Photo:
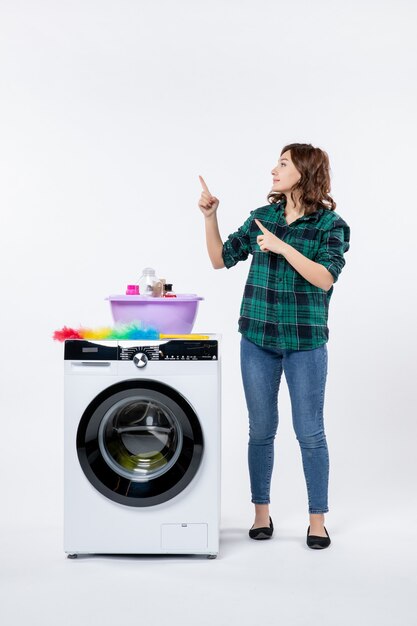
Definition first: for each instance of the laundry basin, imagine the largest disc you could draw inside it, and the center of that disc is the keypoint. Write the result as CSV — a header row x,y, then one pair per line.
x,y
167,315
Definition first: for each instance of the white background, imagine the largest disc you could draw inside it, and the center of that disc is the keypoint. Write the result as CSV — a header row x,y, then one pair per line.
x,y
109,112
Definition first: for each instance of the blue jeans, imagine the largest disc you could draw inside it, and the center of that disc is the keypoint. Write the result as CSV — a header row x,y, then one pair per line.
x,y
305,373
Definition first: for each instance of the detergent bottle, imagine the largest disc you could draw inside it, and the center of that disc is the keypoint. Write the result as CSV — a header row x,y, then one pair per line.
x,y
157,289
132,290
146,281
168,291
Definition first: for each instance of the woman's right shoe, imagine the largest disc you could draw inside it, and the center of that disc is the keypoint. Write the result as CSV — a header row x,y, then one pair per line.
x,y
263,532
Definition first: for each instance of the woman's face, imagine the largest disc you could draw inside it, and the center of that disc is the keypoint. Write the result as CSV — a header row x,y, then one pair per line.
x,y
284,174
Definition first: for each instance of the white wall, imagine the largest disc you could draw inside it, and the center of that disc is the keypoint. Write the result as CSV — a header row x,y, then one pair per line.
x,y
109,112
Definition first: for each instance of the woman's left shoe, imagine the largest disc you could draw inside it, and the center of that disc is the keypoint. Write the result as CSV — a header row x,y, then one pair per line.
x,y
263,532
316,542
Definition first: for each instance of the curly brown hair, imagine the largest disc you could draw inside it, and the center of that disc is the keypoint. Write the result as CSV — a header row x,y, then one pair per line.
x,y
314,184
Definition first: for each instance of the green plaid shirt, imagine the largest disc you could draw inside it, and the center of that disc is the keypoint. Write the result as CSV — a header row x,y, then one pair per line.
x,y
280,308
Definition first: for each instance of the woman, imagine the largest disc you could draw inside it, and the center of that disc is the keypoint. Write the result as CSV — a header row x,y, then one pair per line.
x,y
297,243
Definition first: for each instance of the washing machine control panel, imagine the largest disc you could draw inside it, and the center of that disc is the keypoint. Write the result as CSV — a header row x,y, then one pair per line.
x,y
171,350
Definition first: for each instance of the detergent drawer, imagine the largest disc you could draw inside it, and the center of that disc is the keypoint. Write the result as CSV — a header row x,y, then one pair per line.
x,y
178,536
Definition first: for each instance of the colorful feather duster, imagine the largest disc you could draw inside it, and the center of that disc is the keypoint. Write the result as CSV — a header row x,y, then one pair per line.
x,y
66,333
133,330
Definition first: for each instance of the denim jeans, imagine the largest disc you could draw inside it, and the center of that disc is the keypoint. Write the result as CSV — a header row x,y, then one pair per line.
x,y
305,373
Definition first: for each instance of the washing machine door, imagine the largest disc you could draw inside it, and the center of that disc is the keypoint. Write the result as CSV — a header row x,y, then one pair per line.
x,y
140,442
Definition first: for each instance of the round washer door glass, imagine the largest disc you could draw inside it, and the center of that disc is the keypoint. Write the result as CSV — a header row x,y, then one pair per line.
x,y
140,442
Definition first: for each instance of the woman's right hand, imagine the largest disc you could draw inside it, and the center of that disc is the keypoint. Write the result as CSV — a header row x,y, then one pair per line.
x,y
207,203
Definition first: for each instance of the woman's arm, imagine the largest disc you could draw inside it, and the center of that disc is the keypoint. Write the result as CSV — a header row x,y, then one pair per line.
x,y
214,241
323,272
315,273
329,261
208,205
237,246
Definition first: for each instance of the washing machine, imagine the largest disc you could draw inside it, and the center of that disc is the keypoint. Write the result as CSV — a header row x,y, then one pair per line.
x,y
142,446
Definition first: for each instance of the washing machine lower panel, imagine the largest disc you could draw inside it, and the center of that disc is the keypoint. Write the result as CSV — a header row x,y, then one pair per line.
x,y
189,523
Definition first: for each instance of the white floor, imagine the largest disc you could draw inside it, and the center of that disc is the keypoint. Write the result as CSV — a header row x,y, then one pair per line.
x,y
367,576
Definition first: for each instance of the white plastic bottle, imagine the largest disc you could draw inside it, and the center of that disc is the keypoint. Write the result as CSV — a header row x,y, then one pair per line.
x,y
146,281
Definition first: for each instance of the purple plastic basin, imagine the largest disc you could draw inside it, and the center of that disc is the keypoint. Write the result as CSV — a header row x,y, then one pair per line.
x,y
167,315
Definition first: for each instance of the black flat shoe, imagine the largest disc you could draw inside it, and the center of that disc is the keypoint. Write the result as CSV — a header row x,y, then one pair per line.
x,y
316,542
263,532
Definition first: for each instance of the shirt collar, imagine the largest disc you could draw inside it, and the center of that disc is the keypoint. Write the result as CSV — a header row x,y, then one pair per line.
x,y
315,216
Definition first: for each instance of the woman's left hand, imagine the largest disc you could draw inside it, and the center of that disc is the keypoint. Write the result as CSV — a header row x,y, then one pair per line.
x,y
269,242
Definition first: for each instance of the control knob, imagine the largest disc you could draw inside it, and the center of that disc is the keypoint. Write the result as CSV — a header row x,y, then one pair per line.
x,y
140,359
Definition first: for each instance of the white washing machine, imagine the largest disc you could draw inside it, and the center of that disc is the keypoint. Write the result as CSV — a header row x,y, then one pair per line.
x,y
142,447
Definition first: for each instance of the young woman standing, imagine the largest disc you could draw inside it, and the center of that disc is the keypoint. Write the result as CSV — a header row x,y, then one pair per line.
x,y
297,243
